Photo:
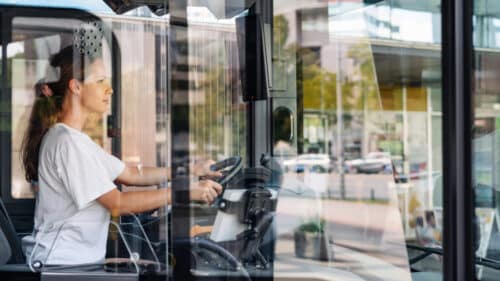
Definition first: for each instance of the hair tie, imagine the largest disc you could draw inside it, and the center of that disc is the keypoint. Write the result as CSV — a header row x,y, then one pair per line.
x,y
46,90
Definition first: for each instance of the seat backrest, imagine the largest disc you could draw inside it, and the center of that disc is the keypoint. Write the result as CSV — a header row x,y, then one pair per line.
x,y
9,242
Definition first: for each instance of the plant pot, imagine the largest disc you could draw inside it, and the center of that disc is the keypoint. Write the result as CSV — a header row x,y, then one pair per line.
x,y
312,245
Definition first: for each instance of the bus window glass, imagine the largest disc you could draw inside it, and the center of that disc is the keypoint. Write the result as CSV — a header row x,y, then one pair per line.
x,y
35,40
485,138
143,96
364,184
142,121
133,48
340,137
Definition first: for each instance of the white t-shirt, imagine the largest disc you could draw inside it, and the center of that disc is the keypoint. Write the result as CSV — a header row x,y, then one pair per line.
x,y
73,171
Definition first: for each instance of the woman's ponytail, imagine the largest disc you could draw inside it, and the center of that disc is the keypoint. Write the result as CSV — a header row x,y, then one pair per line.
x,y
64,66
43,116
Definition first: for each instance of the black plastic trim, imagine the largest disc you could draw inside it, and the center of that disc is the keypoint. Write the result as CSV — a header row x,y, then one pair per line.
x,y
178,53
457,67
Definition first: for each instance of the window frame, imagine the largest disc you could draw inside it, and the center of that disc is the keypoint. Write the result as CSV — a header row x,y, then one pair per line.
x,y
458,205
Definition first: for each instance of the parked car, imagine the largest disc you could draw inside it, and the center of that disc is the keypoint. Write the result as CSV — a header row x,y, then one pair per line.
x,y
319,163
374,162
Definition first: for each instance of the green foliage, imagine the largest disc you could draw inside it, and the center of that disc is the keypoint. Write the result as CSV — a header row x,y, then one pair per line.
x,y
216,108
362,56
280,31
316,226
319,88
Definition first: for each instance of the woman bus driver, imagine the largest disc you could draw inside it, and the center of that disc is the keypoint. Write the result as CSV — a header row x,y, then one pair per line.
x,y
76,190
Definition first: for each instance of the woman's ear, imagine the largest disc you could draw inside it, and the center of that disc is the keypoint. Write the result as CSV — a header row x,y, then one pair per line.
x,y
74,87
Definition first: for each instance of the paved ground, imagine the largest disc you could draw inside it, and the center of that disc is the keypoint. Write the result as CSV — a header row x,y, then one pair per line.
x,y
357,186
368,237
345,265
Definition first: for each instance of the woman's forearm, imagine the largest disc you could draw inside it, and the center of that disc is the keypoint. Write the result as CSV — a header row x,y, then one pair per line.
x,y
154,175
140,201
144,176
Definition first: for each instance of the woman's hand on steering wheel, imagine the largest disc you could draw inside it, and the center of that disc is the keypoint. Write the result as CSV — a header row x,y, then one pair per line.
x,y
210,188
202,168
205,191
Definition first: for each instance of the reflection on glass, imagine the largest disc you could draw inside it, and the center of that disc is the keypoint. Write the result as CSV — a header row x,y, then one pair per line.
x,y
485,139
142,129
366,180
355,112
217,114
134,125
28,59
283,124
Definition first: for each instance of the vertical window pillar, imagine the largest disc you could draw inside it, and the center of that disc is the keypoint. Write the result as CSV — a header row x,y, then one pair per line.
x,y
457,138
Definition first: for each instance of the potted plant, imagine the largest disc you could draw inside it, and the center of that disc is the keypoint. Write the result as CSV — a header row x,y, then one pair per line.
x,y
311,241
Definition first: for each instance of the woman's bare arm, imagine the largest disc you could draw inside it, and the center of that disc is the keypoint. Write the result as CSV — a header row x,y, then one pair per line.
x,y
122,203
146,176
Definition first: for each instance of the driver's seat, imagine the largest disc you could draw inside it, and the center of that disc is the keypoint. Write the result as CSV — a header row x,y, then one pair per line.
x,y
10,246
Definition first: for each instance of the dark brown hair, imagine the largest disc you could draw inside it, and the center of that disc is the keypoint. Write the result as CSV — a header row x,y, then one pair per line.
x,y
66,65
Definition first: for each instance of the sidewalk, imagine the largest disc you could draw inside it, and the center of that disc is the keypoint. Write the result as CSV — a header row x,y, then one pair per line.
x,y
347,265
369,241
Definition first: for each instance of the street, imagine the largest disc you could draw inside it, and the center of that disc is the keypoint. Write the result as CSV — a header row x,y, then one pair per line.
x,y
366,224
357,186
369,233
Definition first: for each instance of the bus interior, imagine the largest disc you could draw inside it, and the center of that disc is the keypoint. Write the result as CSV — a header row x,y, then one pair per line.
x,y
324,117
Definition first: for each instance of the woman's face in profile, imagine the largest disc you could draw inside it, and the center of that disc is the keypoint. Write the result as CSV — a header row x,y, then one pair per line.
x,y
96,91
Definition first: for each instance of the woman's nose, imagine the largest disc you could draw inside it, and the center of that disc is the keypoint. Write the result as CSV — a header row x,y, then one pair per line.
x,y
109,89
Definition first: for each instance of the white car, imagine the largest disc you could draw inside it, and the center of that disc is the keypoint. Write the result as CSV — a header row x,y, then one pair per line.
x,y
319,163
374,162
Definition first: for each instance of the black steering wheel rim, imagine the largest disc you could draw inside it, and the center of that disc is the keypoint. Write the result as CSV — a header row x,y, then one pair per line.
x,y
234,162
211,246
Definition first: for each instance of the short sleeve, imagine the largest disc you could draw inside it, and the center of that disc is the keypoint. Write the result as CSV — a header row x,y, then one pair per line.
x,y
82,173
113,165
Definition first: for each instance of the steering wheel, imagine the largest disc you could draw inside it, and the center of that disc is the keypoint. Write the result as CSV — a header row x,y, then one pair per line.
x,y
229,167
207,253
